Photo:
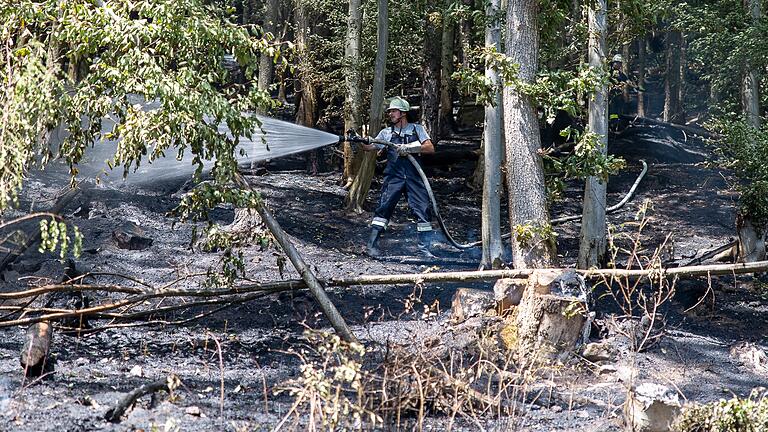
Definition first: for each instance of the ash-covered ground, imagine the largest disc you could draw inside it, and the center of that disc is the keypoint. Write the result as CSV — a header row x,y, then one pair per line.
x,y
247,347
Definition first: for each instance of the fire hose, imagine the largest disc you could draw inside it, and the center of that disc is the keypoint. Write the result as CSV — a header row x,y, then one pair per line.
x,y
363,140
352,138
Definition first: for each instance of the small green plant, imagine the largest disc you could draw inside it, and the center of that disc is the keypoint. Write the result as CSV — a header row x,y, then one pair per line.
x,y
330,387
734,415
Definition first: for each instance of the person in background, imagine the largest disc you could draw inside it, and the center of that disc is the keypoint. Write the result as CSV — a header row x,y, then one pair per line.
x,y
401,176
616,103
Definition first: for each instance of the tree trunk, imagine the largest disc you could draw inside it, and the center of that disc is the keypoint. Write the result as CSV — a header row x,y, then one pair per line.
x,y
353,102
525,168
430,102
307,113
492,151
445,120
750,85
751,240
641,76
592,237
626,68
673,109
361,183
266,63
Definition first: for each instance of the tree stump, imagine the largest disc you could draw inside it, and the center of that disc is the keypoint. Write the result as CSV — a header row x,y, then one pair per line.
x,y
552,315
508,292
37,344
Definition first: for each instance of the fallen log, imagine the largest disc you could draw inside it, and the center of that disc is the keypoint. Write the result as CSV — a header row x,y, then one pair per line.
x,y
250,291
315,287
166,385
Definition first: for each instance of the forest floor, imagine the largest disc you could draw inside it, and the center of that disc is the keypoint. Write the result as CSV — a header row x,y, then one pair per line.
x,y
690,201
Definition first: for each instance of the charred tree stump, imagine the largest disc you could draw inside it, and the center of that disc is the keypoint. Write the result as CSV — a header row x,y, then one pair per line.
x,y
751,240
551,317
37,344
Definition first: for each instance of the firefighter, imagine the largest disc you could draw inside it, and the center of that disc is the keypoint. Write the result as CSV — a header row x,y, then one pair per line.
x,y
401,176
619,81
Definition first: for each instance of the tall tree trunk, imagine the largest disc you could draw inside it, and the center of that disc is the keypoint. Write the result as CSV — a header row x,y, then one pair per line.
x,y
673,109
493,149
266,63
362,180
353,102
626,68
641,45
308,110
525,168
430,72
592,237
751,236
445,119
750,85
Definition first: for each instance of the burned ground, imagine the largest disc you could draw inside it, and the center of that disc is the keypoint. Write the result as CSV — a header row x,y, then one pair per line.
x,y
690,200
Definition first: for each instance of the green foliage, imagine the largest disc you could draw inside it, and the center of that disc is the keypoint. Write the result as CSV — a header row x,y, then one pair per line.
x,y
54,233
744,149
722,40
587,160
733,415
167,52
527,234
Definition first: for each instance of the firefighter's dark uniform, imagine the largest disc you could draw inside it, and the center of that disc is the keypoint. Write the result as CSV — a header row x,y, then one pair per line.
x,y
401,176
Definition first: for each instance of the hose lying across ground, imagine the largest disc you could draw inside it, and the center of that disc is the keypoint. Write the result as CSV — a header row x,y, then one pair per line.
x,y
462,246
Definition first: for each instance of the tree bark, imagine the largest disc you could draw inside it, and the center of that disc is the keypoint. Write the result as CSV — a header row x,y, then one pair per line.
x,y
525,169
430,102
353,102
592,238
361,183
492,151
641,45
750,85
445,120
266,64
307,113
673,109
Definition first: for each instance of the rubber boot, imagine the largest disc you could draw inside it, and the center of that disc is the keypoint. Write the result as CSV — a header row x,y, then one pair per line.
x,y
425,244
372,247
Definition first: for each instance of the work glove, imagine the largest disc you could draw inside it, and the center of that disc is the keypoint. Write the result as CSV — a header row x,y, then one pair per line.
x,y
405,149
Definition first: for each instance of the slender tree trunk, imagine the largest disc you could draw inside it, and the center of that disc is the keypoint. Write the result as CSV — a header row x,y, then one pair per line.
x,y
750,85
592,237
353,102
445,119
626,68
430,102
673,110
266,63
525,168
362,180
493,149
751,236
307,113
641,76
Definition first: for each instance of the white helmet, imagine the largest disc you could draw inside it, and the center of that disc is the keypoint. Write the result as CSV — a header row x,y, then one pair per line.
x,y
618,58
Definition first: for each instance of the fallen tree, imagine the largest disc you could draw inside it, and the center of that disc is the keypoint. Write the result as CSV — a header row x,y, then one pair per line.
x,y
116,310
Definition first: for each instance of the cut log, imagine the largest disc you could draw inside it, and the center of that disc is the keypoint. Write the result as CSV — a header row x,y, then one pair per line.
x,y
37,344
468,303
552,315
